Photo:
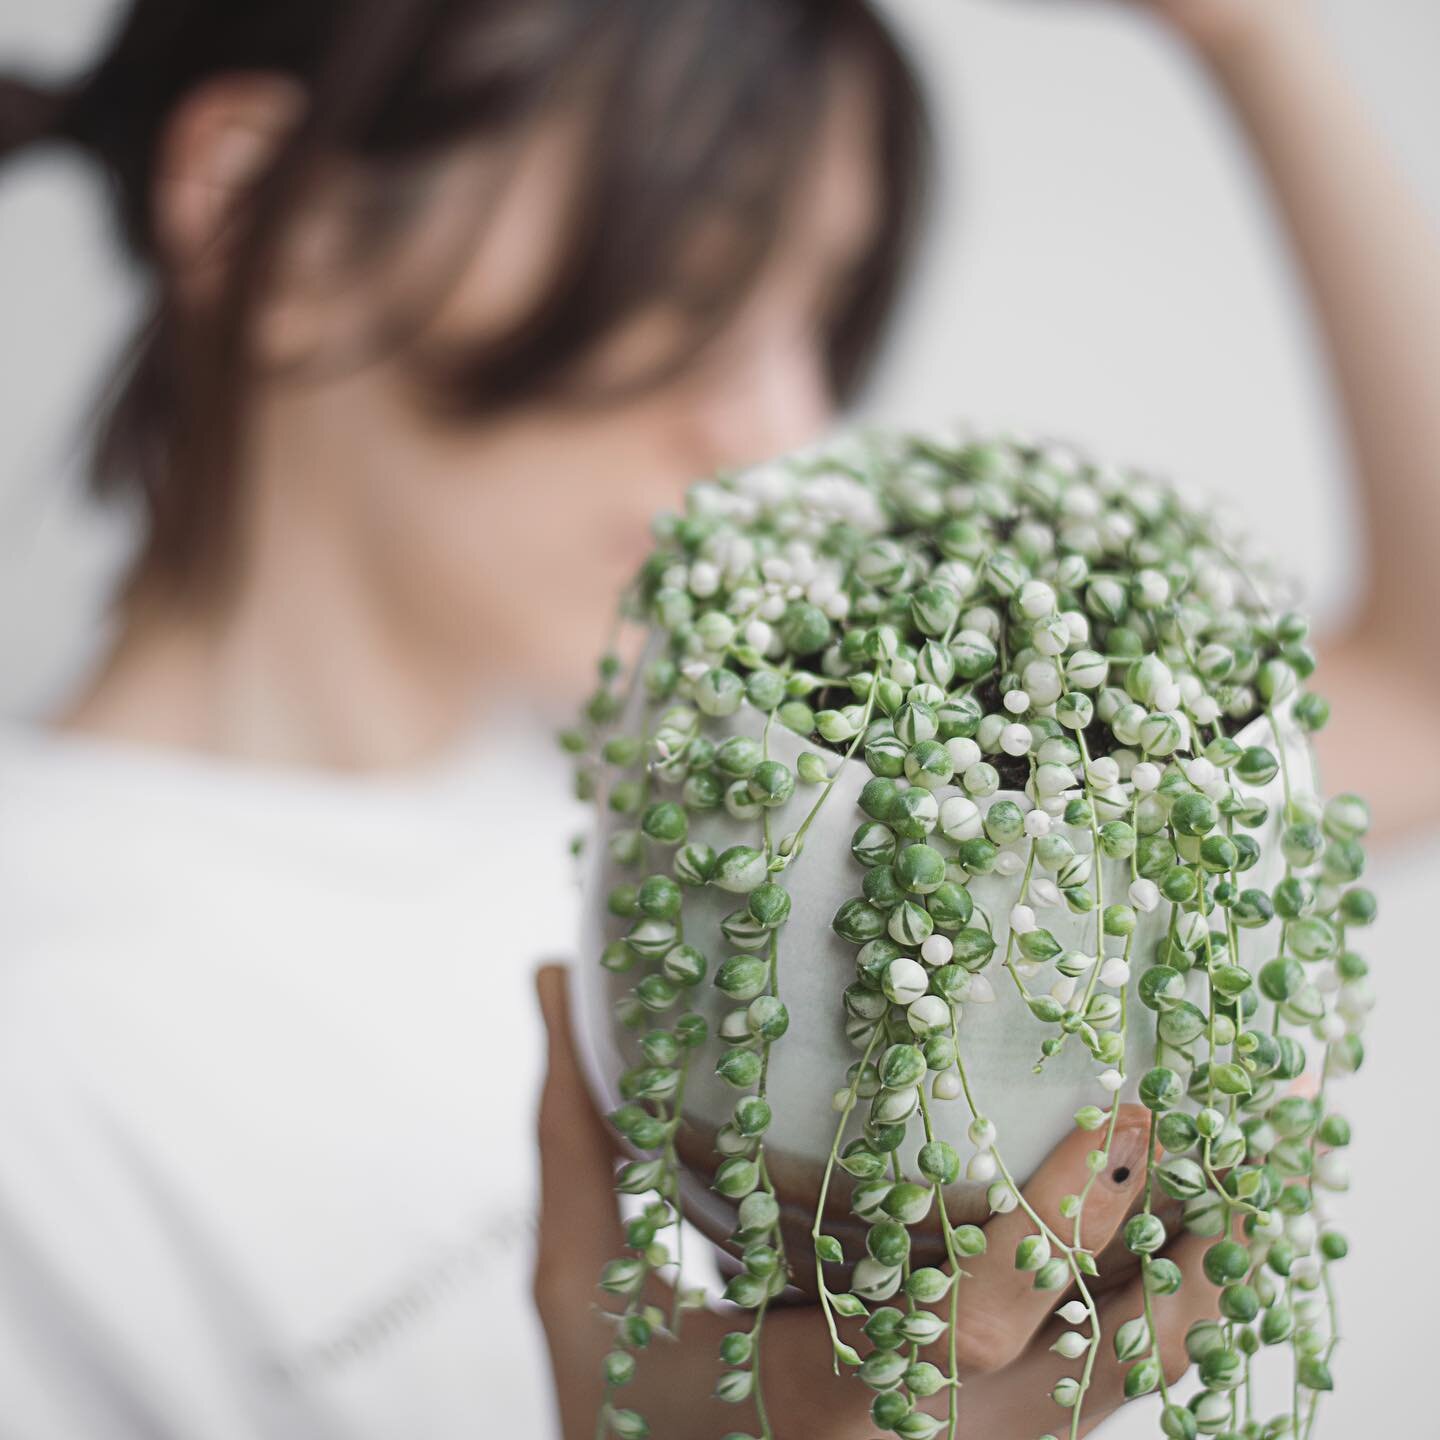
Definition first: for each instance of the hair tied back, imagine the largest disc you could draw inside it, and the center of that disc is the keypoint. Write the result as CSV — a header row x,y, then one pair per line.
x,y
30,114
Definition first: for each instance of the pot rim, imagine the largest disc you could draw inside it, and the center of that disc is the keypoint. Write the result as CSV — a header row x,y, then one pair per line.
x,y
1285,734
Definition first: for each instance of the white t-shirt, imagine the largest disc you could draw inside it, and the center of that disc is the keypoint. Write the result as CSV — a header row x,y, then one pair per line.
x,y
269,1055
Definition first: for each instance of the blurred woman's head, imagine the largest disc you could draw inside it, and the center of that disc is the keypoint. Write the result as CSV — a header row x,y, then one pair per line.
x,y
451,295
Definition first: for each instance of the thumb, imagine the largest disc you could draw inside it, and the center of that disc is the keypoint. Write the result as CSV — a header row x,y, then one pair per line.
x,y
579,1218
1065,1171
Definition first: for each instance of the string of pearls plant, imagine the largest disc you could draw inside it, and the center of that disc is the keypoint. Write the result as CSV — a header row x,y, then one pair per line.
x,y
1043,662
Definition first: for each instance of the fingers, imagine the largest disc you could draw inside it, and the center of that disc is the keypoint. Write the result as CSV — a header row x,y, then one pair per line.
x,y
579,1222
835,1406
1020,1395
1000,1307
1118,1264
1196,1299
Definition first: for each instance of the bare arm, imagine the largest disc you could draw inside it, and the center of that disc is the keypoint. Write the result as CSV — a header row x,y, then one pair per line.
x,y
1372,266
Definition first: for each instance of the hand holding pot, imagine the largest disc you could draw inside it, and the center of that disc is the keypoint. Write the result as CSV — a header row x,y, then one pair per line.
x,y
1005,1331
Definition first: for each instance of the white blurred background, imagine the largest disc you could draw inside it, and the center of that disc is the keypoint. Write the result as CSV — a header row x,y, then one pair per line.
x,y
1103,266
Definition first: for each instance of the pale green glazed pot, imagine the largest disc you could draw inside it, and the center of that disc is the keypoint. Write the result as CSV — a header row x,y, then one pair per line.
x,y
999,1041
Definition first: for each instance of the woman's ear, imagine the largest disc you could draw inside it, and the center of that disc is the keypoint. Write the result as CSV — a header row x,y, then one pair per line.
x,y
218,142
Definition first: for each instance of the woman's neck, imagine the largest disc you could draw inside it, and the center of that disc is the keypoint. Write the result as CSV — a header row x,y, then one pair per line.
x,y
301,668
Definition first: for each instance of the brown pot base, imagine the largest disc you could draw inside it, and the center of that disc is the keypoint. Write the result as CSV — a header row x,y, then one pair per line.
x,y
797,1186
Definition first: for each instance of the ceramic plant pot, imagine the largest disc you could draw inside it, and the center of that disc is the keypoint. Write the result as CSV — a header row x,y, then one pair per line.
x,y
998,1040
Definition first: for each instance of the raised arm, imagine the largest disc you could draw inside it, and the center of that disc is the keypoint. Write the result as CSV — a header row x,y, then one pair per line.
x,y
1371,263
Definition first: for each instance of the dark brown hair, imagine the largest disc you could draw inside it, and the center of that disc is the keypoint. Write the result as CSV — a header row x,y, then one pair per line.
x,y
693,105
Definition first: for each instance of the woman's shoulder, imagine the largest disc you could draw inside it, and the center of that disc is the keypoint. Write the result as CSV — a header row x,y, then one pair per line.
x,y
164,911
81,831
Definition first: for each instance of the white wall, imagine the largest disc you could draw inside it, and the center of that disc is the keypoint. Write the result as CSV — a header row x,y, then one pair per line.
x,y
63,307
1104,267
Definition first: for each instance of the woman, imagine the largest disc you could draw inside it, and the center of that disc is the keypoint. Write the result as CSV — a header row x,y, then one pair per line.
x,y
450,298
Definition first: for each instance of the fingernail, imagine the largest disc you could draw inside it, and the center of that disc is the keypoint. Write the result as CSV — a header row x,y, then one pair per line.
x,y
1127,1155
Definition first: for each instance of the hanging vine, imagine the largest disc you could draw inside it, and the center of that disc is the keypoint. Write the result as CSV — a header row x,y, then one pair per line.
x,y
1043,665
